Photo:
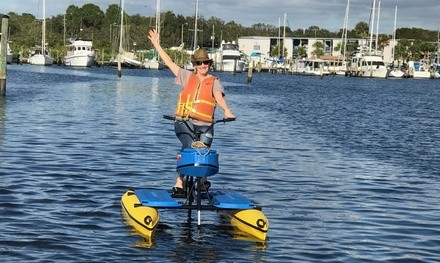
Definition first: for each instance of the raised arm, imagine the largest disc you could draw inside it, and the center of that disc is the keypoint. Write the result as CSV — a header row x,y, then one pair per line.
x,y
154,38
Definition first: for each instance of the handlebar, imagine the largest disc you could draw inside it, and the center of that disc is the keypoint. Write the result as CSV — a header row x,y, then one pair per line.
x,y
168,117
173,118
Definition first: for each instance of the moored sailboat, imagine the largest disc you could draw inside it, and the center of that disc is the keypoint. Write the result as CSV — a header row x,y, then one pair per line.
x,y
367,62
154,63
40,55
395,71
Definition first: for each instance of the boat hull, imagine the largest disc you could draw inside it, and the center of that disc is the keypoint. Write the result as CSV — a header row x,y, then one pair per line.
x,y
140,211
152,64
250,221
396,73
41,60
143,219
79,60
423,75
9,58
230,65
374,72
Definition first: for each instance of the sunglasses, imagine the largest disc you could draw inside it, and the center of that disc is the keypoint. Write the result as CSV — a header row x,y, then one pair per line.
x,y
207,62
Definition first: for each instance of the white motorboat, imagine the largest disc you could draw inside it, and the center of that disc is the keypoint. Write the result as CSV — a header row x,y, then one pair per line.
x,y
370,66
335,65
422,70
80,53
259,61
316,67
228,58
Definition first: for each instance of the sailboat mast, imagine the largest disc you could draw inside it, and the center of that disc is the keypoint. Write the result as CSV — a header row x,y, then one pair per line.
x,y
377,26
121,31
284,34
373,10
43,31
195,25
64,30
344,30
279,35
158,17
438,40
394,32
157,23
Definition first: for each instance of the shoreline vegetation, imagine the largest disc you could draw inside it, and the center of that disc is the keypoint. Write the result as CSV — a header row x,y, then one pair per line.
x,y
90,22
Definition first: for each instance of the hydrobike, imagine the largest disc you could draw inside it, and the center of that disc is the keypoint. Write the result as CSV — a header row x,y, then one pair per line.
x,y
140,206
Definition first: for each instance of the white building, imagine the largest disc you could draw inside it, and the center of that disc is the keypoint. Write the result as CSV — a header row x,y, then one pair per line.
x,y
264,45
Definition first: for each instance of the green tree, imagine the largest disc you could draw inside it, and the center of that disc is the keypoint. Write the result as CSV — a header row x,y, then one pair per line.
x,y
401,50
361,30
319,49
215,24
421,50
25,31
276,51
313,31
73,21
92,16
302,51
416,33
383,41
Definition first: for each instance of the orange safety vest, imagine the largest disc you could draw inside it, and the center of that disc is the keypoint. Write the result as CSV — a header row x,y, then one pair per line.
x,y
197,99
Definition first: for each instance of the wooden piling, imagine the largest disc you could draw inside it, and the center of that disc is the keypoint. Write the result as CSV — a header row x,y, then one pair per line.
x,y
102,57
3,54
249,74
119,63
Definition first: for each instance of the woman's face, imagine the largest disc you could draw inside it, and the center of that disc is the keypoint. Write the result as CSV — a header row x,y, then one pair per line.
x,y
202,67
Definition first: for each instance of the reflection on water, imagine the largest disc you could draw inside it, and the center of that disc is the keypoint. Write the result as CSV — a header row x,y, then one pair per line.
x,y
2,117
346,169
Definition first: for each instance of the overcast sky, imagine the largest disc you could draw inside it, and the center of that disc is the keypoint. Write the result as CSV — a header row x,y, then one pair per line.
x,y
326,14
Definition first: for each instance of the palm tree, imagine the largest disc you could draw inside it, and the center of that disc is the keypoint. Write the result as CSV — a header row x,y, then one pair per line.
x,y
319,49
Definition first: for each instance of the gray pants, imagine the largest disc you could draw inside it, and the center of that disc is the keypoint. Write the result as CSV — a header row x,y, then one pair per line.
x,y
188,133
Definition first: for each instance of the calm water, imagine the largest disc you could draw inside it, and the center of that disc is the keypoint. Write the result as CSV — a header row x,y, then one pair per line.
x,y
346,169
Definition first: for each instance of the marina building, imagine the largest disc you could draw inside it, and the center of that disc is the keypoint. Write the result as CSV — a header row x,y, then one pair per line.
x,y
263,46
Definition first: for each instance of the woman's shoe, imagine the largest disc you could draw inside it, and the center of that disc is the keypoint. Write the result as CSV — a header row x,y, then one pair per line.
x,y
178,192
205,185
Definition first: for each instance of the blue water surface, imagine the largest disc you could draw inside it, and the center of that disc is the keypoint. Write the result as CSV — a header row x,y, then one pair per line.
x,y
346,169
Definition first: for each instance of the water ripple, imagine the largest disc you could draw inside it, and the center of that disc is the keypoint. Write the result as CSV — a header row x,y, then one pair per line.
x,y
346,169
